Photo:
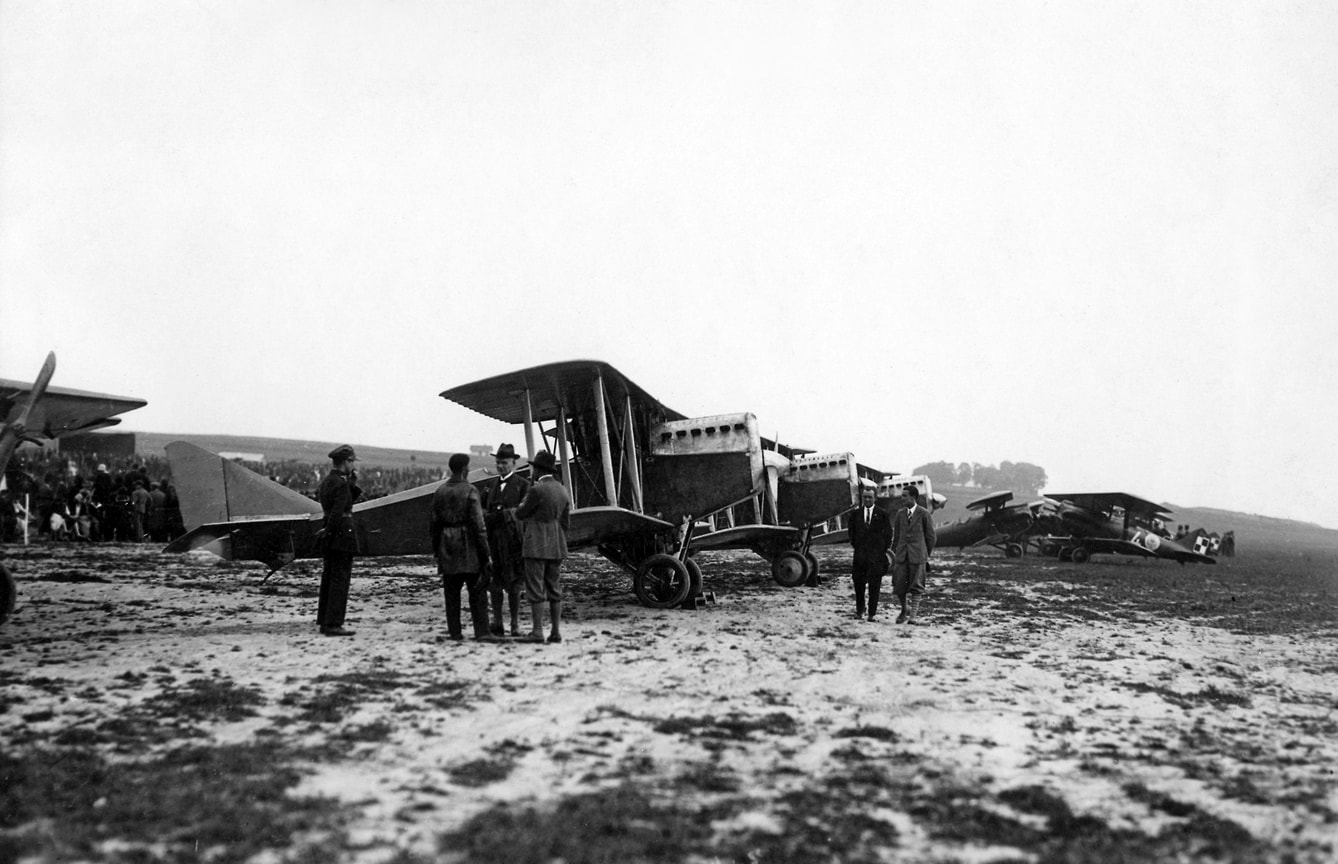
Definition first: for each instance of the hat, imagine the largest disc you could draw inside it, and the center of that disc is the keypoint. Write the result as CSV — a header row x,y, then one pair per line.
x,y
102,466
343,453
544,461
506,451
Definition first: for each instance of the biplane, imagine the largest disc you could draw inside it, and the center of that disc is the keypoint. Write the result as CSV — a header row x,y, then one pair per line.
x,y
1092,523
37,412
887,486
651,486
997,521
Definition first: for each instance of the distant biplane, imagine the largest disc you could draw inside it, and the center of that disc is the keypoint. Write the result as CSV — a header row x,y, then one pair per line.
x,y
999,523
37,412
1082,524
649,486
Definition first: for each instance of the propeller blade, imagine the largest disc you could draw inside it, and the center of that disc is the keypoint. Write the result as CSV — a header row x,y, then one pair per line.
x,y
39,389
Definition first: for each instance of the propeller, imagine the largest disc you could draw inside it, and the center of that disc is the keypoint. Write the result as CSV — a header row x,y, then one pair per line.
x,y
17,431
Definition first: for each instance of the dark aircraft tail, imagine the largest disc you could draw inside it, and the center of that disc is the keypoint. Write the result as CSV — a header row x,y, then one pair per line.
x,y
213,489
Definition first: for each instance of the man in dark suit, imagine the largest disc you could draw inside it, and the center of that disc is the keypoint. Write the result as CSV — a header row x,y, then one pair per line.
x,y
871,536
501,496
912,544
545,517
338,492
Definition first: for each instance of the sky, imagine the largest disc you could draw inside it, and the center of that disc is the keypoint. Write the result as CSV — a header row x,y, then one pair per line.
x,y
1099,237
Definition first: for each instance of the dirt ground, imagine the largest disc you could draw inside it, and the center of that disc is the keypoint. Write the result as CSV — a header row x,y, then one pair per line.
x,y
180,708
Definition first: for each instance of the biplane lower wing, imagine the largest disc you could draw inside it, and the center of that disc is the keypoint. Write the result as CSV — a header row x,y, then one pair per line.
x,y
748,537
593,526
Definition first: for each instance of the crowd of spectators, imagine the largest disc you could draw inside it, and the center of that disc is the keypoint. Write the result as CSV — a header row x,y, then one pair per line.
x,y
81,497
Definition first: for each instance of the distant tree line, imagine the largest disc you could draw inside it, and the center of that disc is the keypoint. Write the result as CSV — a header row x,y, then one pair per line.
x,y
1020,477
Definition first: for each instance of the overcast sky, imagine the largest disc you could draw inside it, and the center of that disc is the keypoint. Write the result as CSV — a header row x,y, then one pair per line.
x,y
1098,237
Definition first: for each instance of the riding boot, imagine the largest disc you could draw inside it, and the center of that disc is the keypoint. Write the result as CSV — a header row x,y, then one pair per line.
x,y
555,613
905,614
496,627
537,621
914,609
513,599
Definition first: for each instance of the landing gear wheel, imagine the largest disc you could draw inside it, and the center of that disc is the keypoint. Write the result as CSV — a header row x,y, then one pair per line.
x,y
662,582
790,569
1080,555
814,570
1013,550
694,584
8,590
1065,553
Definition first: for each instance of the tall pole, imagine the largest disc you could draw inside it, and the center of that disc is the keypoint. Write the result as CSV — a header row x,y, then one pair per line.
x,y
605,456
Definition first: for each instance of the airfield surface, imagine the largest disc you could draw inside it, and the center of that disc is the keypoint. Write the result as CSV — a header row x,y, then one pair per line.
x,y
180,709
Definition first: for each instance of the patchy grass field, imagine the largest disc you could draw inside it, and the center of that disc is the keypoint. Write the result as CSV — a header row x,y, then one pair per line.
x,y
178,708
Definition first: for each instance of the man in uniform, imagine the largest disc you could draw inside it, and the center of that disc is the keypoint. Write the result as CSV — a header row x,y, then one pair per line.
x,y
460,543
501,496
912,543
545,517
871,536
338,492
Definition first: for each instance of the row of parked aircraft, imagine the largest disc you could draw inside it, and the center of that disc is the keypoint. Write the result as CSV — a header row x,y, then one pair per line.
x,y
651,487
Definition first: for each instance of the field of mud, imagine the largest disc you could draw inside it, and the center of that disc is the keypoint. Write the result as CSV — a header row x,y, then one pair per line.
x,y
180,708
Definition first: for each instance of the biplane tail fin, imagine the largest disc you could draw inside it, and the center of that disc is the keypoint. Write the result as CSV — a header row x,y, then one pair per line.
x,y
213,489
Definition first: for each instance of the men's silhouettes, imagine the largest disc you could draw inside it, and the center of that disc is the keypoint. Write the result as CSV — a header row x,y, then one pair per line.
x,y
912,544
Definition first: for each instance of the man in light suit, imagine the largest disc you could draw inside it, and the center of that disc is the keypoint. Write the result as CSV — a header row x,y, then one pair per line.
x,y
870,531
545,517
912,544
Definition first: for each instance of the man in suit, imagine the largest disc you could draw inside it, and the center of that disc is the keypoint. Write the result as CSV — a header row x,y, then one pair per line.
x,y
501,496
545,516
338,492
912,543
870,531
460,543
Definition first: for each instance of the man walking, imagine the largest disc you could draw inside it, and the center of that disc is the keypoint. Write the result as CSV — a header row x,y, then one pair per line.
x,y
501,496
338,492
912,544
460,543
870,531
545,517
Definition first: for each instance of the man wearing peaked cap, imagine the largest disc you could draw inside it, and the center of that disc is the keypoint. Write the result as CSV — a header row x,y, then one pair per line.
x,y
545,517
501,496
338,491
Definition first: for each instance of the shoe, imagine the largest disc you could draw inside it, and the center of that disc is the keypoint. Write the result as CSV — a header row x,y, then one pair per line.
x,y
872,617
554,639
859,614
456,637
533,637
902,618
335,631
490,638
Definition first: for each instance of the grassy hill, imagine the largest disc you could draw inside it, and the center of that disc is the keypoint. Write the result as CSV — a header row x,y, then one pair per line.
x,y
155,443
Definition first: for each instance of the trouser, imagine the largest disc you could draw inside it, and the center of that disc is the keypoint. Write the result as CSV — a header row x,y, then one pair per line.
x,y
451,583
335,577
868,576
908,577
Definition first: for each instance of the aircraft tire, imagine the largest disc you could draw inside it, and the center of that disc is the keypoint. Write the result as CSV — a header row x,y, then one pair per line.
x,y
1013,550
694,584
790,569
662,582
1080,555
8,591
814,570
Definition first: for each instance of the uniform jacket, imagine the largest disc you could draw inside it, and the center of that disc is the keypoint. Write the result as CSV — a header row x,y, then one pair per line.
x,y
458,536
914,538
499,505
337,495
871,541
545,516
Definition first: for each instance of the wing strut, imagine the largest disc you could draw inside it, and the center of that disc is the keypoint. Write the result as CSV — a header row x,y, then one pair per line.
x,y
633,468
529,425
565,453
605,455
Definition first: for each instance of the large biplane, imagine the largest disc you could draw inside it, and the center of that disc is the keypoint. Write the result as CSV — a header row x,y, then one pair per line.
x,y
997,521
651,486
1090,523
37,412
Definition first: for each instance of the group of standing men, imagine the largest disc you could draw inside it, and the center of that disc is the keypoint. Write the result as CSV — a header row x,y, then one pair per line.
x,y
491,542
902,541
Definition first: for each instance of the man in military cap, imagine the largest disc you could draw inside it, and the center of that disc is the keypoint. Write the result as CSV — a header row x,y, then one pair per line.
x,y
545,517
338,492
501,496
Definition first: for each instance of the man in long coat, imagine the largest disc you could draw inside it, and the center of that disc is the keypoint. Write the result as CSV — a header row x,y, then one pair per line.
x,y
461,546
338,492
870,531
912,544
545,517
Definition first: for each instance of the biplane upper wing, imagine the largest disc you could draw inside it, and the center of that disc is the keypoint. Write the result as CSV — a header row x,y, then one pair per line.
x,y
550,388
63,411
990,502
1104,502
